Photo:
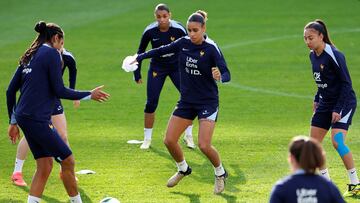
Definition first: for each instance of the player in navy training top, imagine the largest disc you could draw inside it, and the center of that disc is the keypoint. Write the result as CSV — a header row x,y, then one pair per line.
x,y
304,185
41,85
161,32
58,118
201,65
335,100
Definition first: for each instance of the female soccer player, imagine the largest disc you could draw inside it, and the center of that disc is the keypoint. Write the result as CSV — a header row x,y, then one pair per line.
x,y
201,65
335,100
304,185
41,85
161,32
58,118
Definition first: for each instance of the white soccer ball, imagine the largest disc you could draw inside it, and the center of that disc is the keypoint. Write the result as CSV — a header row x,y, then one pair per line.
x,y
126,64
109,200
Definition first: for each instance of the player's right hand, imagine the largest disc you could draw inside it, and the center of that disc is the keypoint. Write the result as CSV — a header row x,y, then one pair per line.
x,y
315,105
139,81
98,95
14,133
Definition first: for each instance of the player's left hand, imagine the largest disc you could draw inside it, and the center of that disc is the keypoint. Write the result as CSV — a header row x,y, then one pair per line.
x,y
14,133
216,73
76,104
335,117
134,61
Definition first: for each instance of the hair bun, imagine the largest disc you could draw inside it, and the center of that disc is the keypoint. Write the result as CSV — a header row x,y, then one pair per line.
x,y
203,14
40,27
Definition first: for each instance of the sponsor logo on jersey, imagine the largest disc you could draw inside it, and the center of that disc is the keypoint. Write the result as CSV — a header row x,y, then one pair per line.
x,y
155,39
323,86
51,126
191,66
306,195
317,76
172,38
185,49
154,74
26,70
322,67
202,53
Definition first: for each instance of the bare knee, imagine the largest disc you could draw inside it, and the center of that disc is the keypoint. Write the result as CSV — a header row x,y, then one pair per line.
x,y
204,147
68,163
168,142
335,145
44,167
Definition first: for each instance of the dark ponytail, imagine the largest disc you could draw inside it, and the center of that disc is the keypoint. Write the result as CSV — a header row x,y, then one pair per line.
x,y
46,32
199,17
320,26
308,153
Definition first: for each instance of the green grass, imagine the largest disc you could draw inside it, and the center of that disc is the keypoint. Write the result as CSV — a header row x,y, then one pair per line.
x,y
268,101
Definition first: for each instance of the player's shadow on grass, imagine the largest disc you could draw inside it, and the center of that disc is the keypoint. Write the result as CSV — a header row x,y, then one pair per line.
x,y
44,197
10,200
236,175
355,197
84,197
194,198
229,198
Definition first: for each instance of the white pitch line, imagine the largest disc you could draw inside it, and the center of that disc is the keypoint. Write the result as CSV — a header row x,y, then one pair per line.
x,y
273,92
272,39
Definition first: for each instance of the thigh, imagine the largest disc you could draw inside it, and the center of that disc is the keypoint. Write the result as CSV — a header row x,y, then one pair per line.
x,y
320,125
176,127
175,78
43,140
318,133
59,122
206,130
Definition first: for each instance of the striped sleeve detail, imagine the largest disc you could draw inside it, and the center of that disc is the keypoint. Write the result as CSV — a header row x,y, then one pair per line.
x,y
151,26
329,51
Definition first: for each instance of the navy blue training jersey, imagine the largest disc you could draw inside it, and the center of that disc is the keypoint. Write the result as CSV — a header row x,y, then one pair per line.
x,y
157,38
305,188
40,83
70,63
197,84
333,80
